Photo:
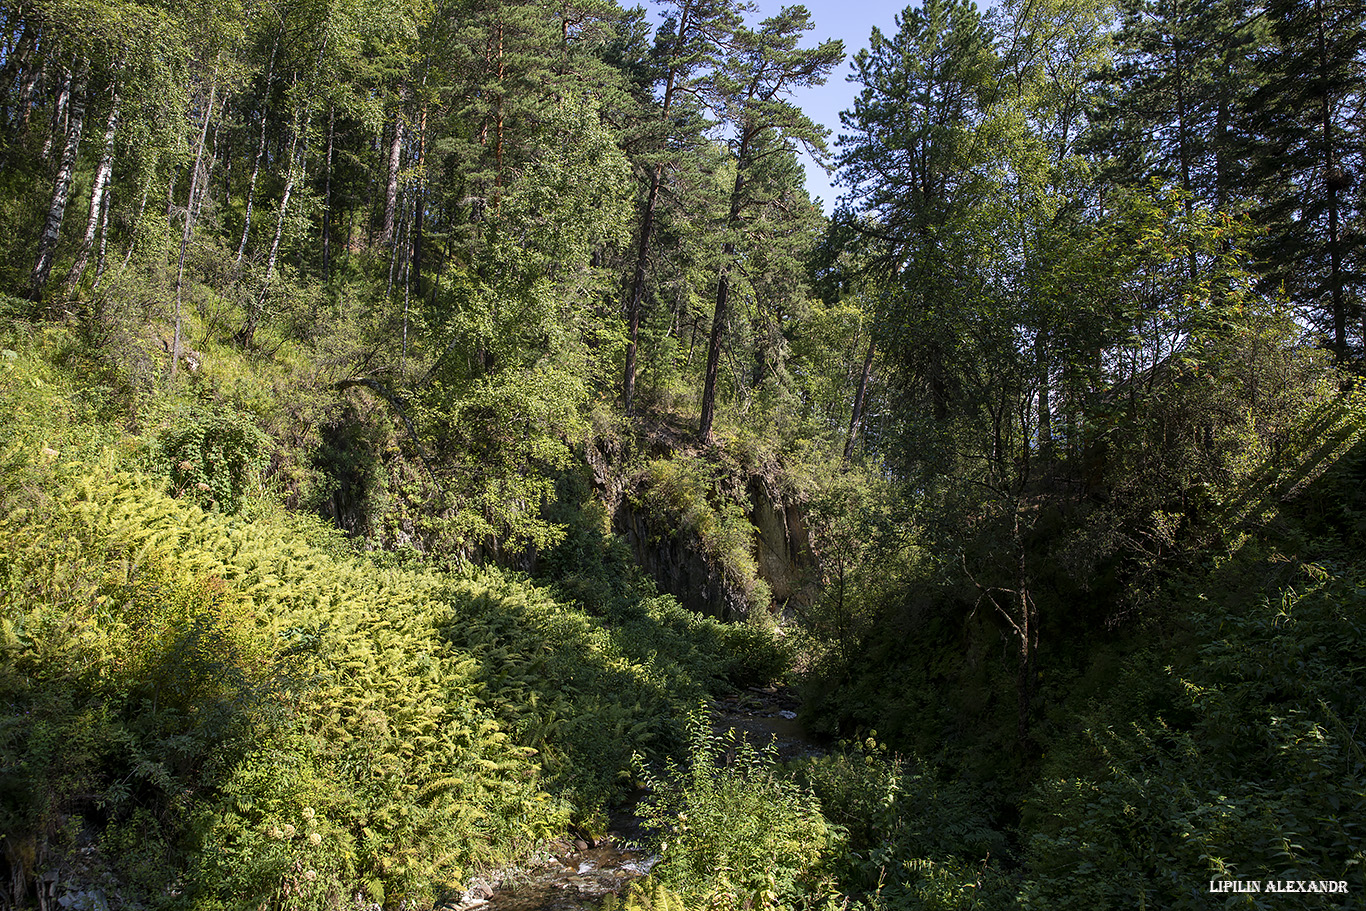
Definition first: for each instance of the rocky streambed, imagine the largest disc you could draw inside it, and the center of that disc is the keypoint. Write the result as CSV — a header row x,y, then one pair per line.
x,y
576,874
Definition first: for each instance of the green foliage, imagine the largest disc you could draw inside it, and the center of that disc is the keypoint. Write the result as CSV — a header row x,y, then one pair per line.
x,y
649,895
1091,441
865,557
1240,764
685,494
910,839
211,455
589,696
732,829
262,716
238,681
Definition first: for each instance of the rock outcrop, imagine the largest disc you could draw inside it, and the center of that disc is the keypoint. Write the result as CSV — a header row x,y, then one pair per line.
x,y
682,564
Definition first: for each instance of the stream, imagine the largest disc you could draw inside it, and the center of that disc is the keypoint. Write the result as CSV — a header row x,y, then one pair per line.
x,y
573,874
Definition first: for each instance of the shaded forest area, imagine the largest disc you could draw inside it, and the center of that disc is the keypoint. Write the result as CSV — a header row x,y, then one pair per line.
x,y
415,414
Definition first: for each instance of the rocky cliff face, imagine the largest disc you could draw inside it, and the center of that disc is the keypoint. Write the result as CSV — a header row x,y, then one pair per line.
x,y
680,565
679,560
783,544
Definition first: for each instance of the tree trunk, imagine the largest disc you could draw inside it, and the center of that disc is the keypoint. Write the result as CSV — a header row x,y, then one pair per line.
x,y
722,313
61,123
61,191
205,179
647,221
1183,147
1045,395
391,186
98,189
189,221
419,205
17,69
1333,178
856,419
1028,631
248,334
101,261
720,316
137,220
647,225
327,197
260,150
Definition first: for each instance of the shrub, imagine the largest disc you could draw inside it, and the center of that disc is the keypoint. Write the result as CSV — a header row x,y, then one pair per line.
x,y
912,841
732,829
1239,762
687,495
211,456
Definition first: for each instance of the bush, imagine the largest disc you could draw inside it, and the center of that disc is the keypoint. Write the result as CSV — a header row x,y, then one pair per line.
x,y
182,689
686,495
211,456
733,831
912,841
1239,763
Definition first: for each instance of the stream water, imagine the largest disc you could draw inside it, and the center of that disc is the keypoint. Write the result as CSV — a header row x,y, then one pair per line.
x,y
575,875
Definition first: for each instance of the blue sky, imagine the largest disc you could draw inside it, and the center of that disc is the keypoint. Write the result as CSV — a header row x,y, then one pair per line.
x,y
851,21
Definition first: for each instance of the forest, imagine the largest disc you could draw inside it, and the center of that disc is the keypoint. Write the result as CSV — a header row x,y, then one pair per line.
x,y
418,417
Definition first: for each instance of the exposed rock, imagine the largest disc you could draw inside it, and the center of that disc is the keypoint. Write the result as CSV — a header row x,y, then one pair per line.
x,y
784,555
679,564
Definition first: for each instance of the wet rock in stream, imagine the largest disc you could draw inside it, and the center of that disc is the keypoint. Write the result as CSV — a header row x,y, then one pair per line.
x,y
763,715
565,878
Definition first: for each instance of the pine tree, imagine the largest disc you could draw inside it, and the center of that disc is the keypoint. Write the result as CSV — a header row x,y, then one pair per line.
x,y
687,49
915,161
752,90
1309,156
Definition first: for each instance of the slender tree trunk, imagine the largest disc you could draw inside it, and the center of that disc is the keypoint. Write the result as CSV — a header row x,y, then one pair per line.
x,y
1223,171
419,205
1045,395
98,188
391,186
60,122
1027,629
260,149
189,221
61,191
248,334
204,182
1333,180
406,229
327,196
498,116
647,225
647,220
1029,635
17,70
856,419
133,240
28,73
100,261
721,315
170,196
1183,146
393,262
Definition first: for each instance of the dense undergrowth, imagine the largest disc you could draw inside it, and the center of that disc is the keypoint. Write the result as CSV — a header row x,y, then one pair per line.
x,y
219,703
213,701
1196,719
